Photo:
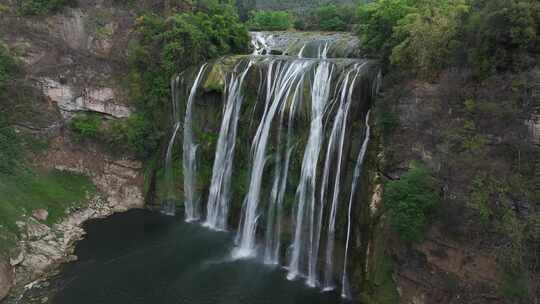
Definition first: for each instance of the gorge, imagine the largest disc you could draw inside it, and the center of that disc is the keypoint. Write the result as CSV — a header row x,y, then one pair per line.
x,y
269,151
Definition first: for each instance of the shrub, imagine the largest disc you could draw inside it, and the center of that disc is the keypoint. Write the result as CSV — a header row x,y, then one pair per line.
x,y
409,201
376,24
334,18
388,121
269,21
328,17
86,125
514,284
10,150
135,134
8,68
41,7
428,38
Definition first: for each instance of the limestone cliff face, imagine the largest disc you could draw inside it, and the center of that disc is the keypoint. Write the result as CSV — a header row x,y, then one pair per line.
x,y
76,57
119,179
74,62
464,131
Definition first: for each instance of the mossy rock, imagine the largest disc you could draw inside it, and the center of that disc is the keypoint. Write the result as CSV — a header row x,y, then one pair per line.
x,y
215,78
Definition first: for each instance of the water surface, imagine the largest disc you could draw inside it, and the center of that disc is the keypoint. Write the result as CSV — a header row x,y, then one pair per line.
x,y
144,257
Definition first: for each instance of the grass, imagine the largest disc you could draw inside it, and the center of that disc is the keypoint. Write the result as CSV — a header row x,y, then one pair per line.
x,y
54,191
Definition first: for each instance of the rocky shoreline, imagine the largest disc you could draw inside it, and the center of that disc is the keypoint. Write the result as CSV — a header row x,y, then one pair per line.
x,y
43,249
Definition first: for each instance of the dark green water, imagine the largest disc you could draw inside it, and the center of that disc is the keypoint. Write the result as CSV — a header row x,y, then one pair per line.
x,y
144,257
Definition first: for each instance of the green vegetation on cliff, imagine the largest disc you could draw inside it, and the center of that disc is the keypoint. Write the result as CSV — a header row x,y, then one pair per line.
x,y
426,37
269,21
29,189
410,201
24,187
165,46
8,69
326,17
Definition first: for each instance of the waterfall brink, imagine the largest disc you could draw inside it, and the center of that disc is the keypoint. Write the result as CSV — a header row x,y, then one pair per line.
x,y
219,194
259,43
281,77
190,155
345,289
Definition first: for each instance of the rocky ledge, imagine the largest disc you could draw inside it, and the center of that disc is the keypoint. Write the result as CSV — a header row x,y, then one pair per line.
x,y
42,249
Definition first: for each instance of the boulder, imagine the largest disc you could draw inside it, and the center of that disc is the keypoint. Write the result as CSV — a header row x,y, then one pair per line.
x,y
71,99
40,214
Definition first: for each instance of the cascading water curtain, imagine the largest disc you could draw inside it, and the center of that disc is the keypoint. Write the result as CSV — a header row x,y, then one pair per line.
x,y
299,132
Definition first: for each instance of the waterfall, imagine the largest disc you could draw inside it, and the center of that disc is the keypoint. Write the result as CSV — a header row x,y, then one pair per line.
x,y
260,44
218,198
345,290
279,86
306,203
168,206
301,52
294,117
190,154
279,184
338,133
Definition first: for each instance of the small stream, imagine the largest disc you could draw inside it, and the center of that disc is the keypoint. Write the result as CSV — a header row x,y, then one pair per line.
x,y
144,257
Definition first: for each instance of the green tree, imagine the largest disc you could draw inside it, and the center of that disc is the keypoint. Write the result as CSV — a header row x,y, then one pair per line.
x,y
331,17
42,7
501,32
409,201
269,21
428,38
376,24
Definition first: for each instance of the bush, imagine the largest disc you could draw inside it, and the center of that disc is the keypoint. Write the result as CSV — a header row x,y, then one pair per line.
x,y
10,150
41,7
334,18
376,24
409,201
135,134
328,17
269,21
8,68
86,125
